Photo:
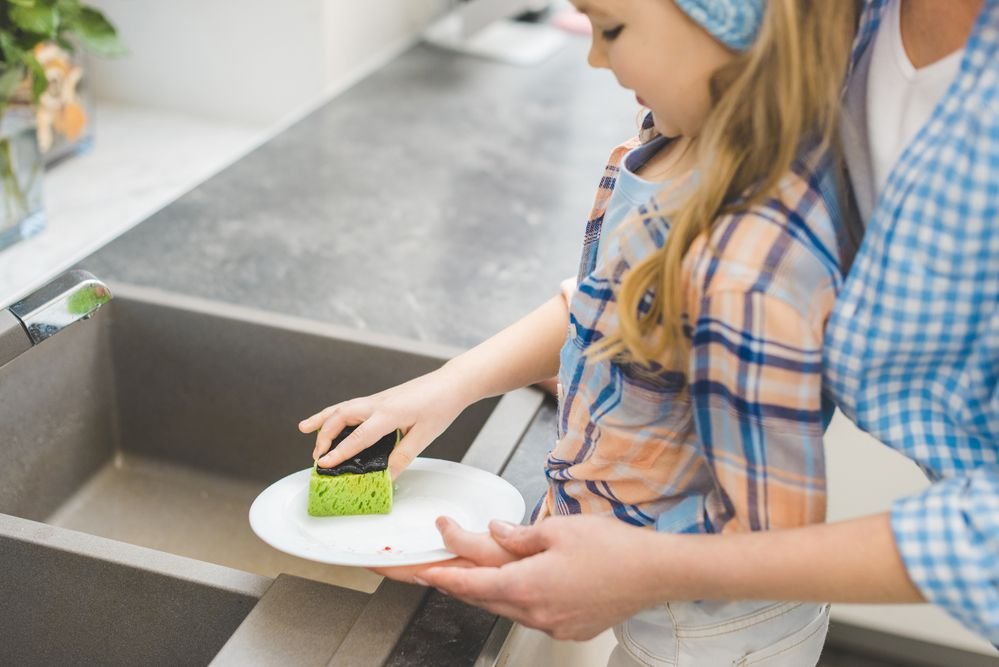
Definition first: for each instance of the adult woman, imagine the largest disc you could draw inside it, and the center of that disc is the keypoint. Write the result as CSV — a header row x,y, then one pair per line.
x,y
912,356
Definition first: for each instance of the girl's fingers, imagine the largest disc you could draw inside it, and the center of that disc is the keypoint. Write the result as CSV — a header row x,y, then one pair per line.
x,y
408,449
310,424
330,429
345,414
366,434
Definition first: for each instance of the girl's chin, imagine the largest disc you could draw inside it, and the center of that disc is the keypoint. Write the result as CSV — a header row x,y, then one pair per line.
x,y
666,130
661,127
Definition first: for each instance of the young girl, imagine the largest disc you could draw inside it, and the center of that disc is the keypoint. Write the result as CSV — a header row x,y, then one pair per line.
x,y
690,395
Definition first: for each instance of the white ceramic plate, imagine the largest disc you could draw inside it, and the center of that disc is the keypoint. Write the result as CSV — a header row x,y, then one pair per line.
x,y
427,489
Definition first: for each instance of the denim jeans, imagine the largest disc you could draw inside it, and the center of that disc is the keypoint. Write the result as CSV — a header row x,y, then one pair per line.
x,y
723,634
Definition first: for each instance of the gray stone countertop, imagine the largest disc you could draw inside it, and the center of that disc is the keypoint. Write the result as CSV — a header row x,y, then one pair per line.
x,y
439,199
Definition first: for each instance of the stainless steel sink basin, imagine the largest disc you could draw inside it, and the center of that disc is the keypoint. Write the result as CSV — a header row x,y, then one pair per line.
x,y
155,425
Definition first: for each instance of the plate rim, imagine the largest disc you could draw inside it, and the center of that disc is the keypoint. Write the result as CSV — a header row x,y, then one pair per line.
x,y
277,489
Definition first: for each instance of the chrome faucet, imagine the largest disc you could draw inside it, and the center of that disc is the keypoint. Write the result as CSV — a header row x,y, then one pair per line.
x,y
73,296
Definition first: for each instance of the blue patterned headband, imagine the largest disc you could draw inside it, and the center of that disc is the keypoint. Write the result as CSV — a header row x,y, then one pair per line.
x,y
734,23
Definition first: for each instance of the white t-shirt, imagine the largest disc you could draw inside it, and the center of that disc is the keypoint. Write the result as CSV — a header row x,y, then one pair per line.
x,y
887,102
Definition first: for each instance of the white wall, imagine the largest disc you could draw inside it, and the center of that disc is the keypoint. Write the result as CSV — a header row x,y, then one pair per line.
x,y
359,34
250,61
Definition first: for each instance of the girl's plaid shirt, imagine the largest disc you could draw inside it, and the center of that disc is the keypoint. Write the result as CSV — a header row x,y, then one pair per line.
x,y
733,442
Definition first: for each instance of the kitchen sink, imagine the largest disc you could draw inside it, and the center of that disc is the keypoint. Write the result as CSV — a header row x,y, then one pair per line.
x,y
134,445
72,599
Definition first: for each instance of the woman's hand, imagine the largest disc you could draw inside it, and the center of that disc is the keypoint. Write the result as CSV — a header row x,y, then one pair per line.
x,y
475,549
578,575
573,577
422,408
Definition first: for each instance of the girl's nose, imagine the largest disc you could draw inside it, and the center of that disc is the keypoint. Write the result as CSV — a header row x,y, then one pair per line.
x,y
597,57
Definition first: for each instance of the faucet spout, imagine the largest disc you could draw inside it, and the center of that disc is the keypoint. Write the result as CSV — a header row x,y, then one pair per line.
x,y
73,296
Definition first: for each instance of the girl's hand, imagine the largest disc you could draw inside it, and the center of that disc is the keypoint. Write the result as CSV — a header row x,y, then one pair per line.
x,y
573,578
421,408
523,353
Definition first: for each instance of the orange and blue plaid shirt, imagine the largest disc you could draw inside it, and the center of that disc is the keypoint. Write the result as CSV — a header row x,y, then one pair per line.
x,y
735,442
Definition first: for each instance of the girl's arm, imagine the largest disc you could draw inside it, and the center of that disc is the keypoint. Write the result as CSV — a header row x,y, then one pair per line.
x,y
576,576
520,355
523,353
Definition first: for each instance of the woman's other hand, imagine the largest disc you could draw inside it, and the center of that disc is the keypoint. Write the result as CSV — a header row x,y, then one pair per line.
x,y
474,549
572,577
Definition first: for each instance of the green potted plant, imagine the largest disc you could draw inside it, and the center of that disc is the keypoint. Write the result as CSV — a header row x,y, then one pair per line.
x,y
38,96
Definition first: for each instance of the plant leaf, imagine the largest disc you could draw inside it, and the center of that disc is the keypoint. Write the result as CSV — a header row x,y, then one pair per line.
x,y
69,13
39,82
38,19
10,79
65,44
22,3
97,33
12,53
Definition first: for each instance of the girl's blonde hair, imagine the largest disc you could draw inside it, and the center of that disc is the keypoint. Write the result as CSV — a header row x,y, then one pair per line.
x,y
766,103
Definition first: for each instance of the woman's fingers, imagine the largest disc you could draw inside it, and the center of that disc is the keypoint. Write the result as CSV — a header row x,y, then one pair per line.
x,y
411,573
493,584
572,578
511,590
480,548
470,549
419,574
366,434
521,541
481,584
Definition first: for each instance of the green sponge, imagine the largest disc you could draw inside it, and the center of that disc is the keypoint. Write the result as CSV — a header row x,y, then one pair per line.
x,y
350,493
361,485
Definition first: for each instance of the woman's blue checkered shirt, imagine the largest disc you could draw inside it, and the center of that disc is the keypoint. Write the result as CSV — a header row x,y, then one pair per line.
x,y
912,346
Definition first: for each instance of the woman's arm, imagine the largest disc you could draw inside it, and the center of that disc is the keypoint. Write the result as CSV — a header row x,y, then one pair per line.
x,y
523,353
577,576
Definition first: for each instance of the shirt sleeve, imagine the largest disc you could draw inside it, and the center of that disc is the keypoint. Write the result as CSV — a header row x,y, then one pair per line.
x,y
567,288
756,393
948,537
